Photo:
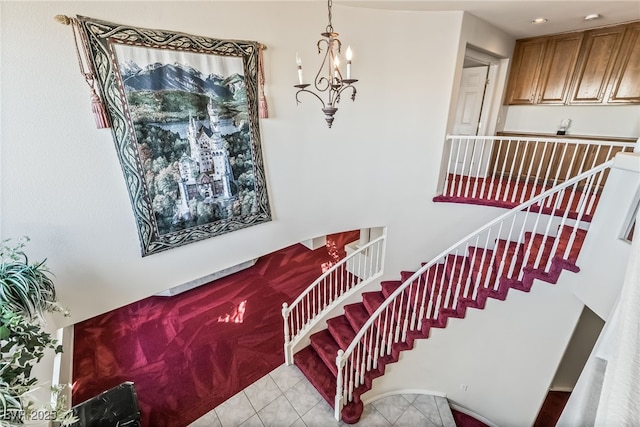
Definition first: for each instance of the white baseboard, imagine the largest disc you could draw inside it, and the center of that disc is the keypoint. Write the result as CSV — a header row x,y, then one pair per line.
x,y
206,279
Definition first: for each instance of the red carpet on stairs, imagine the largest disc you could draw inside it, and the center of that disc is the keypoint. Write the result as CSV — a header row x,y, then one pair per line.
x,y
188,353
318,360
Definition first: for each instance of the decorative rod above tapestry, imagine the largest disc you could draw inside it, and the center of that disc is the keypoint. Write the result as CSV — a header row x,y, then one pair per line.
x,y
184,114
87,71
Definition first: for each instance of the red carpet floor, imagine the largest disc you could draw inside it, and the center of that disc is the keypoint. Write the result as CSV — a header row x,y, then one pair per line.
x,y
188,353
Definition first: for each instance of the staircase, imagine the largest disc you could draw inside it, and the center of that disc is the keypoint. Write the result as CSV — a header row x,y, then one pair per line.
x,y
535,240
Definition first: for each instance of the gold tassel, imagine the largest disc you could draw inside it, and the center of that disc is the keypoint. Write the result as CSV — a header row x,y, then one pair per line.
x,y
263,108
99,112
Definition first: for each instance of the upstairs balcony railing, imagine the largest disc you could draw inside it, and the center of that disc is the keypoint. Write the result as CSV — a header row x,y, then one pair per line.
x,y
505,171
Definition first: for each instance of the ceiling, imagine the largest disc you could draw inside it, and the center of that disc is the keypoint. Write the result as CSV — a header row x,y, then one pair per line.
x,y
514,17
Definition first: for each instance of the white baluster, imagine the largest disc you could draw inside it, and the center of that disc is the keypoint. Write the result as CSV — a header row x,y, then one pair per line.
x,y
463,171
423,298
339,392
285,317
472,259
527,178
414,312
495,167
545,236
519,174
549,165
377,349
502,171
594,196
479,162
455,180
560,163
493,259
537,177
407,310
445,187
512,175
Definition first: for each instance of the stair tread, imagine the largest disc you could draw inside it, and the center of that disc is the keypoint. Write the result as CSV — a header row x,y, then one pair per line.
x,y
357,315
327,348
372,300
390,286
341,331
316,371
565,236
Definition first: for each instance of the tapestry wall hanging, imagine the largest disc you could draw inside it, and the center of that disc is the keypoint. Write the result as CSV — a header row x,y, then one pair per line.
x,y
183,111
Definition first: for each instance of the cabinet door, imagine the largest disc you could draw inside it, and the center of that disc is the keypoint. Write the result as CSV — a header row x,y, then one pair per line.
x,y
598,57
559,63
525,72
625,79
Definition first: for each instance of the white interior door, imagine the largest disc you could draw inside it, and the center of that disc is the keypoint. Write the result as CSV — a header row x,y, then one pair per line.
x,y
470,99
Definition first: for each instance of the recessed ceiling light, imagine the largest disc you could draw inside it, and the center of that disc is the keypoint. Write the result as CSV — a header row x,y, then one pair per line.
x,y
592,16
539,21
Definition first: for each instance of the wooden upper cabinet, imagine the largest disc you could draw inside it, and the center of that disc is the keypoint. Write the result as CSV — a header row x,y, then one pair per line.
x,y
600,66
624,84
542,69
527,65
560,61
600,51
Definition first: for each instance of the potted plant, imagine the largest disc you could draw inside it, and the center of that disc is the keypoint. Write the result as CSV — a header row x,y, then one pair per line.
x,y
27,293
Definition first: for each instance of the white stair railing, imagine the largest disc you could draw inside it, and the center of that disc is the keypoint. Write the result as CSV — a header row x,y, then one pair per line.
x,y
514,169
354,271
524,239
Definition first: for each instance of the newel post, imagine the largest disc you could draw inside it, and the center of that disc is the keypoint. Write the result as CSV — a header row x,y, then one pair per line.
x,y
287,350
338,400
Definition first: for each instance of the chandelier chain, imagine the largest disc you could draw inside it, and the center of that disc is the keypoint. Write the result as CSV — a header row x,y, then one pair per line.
x,y
330,26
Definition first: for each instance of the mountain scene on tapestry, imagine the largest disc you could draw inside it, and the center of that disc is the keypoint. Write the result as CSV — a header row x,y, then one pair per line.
x,y
192,130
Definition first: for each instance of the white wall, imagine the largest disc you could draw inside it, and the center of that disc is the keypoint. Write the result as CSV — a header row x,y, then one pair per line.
x,y
610,120
603,257
62,184
497,362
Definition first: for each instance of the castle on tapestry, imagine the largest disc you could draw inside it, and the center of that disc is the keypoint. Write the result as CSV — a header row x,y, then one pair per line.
x,y
206,173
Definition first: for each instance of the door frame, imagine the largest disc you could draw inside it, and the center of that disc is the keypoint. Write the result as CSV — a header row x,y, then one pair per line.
x,y
496,76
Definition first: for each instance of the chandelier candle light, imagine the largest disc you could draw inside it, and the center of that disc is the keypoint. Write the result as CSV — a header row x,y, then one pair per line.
x,y
332,82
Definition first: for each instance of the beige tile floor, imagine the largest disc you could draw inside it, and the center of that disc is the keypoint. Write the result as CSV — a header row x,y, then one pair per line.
x,y
284,398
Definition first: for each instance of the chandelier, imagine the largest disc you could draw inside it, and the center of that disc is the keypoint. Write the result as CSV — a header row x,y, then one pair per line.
x,y
332,82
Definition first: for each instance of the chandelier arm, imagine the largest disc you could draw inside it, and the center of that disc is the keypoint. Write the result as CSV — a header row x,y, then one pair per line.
x,y
312,93
322,83
338,43
345,87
